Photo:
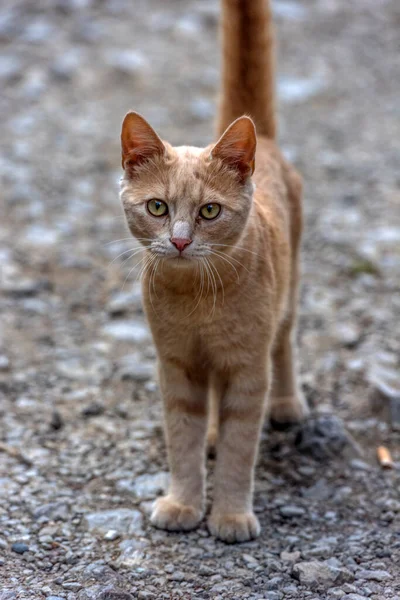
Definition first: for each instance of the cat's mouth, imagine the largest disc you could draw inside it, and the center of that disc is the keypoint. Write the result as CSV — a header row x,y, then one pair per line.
x,y
182,257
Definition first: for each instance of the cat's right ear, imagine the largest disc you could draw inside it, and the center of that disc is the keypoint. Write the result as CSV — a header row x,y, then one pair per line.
x,y
139,141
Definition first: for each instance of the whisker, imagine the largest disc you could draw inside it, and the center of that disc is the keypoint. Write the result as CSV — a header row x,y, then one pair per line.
x,y
142,260
158,260
223,257
219,277
237,248
134,250
208,275
200,292
213,285
148,262
153,266
129,238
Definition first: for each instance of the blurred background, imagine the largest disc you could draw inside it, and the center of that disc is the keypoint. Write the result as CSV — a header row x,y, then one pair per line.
x,y
78,396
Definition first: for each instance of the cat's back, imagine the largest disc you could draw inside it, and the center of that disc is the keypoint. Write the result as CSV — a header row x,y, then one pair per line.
x,y
278,191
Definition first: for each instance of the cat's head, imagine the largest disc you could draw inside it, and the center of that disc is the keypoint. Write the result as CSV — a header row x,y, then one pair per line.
x,y
186,202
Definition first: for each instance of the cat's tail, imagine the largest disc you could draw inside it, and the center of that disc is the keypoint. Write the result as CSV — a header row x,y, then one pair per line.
x,y
247,65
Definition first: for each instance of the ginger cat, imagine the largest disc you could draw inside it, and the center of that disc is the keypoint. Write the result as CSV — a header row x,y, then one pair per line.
x,y
221,228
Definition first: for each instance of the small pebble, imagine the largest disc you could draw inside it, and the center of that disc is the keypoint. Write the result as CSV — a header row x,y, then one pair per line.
x,y
291,511
374,575
93,410
111,535
4,363
290,556
56,422
19,548
177,576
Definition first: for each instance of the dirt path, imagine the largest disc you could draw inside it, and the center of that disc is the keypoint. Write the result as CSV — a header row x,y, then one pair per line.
x,y
82,454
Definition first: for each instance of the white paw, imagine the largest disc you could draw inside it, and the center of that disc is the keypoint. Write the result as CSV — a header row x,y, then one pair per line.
x,y
234,527
171,515
288,410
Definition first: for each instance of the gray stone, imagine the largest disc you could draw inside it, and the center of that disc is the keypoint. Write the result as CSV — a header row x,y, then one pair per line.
x,y
178,576
23,287
294,90
67,64
37,31
132,552
384,376
111,535
127,331
322,575
123,520
98,571
290,510
127,62
122,302
289,10
290,556
4,363
113,593
10,67
135,368
188,26
322,437
92,370
272,596
56,421
336,593
347,334
54,511
274,583
19,548
202,109
356,597
319,491
360,465
38,235
74,586
145,486
378,575
94,409
35,83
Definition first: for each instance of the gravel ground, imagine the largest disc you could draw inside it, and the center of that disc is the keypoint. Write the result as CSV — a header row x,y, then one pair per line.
x,y
81,453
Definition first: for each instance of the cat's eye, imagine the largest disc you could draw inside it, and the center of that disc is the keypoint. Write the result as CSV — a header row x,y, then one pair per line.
x,y
210,211
157,208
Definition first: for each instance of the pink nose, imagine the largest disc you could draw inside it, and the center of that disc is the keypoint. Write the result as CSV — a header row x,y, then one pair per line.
x,y
181,243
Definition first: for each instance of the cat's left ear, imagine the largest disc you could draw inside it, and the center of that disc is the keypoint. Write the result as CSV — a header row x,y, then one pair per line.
x,y
139,141
237,146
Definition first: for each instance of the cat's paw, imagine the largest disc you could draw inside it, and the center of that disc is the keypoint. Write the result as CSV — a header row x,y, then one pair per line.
x,y
287,411
171,515
234,527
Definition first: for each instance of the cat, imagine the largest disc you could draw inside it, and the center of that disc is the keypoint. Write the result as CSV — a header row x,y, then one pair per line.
x,y
221,238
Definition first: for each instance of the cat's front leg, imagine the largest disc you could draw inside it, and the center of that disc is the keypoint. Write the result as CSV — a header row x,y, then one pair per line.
x,y
185,407
241,416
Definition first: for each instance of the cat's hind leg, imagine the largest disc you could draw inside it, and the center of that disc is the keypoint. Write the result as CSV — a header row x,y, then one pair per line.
x,y
287,404
213,421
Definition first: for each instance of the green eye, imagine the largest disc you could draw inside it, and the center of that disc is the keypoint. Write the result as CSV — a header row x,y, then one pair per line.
x,y
210,211
157,208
